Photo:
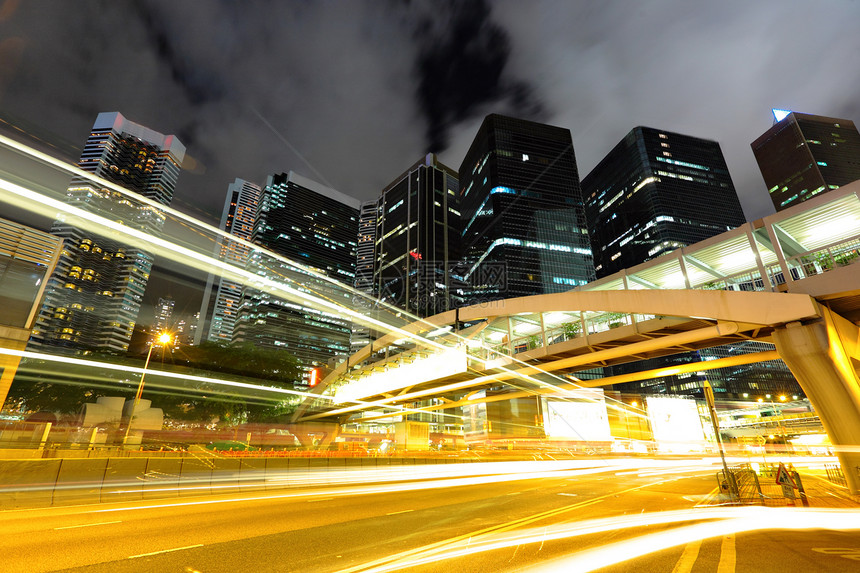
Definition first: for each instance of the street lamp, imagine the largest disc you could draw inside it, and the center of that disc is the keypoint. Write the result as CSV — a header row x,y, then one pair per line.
x,y
163,339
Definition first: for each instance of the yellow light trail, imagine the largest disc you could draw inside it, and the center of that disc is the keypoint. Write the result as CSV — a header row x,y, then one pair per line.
x,y
730,521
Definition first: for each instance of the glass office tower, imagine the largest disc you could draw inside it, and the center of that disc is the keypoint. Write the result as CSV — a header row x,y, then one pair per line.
x,y
221,297
804,155
315,226
524,229
657,191
93,298
418,239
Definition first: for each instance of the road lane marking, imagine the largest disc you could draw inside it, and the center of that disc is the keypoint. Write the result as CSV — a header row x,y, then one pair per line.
x,y
165,551
728,557
569,494
441,545
396,512
688,557
86,525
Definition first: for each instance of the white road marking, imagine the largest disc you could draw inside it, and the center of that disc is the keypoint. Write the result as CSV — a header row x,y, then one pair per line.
x,y
86,525
166,551
396,512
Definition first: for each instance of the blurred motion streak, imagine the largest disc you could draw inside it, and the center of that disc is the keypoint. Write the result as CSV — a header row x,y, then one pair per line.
x,y
731,520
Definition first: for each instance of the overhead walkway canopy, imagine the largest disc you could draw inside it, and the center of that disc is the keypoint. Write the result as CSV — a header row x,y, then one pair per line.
x,y
789,279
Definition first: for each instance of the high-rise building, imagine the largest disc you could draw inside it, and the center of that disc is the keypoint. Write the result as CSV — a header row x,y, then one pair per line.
x,y
315,226
418,239
524,229
93,298
803,155
185,330
221,296
655,192
365,258
164,314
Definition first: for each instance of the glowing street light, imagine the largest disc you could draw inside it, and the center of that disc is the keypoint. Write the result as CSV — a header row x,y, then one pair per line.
x,y
164,340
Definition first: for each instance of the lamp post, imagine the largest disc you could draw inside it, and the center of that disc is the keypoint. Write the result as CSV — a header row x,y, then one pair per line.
x,y
163,339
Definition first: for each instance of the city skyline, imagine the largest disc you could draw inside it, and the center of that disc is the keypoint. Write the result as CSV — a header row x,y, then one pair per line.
x,y
712,72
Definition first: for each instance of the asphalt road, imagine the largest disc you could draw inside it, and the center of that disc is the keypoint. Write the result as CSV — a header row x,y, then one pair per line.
x,y
559,520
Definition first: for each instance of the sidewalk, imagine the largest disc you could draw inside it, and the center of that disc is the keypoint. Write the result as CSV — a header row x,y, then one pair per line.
x,y
822,493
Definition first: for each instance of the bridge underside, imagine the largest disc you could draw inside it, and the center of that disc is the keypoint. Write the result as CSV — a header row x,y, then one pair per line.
x,y
543,357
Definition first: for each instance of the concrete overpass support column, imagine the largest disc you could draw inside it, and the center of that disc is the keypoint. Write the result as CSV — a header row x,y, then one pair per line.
x,y
824,357
13,339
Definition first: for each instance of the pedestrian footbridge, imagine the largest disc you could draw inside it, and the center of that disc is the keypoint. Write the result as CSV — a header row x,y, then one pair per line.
x,y
788,279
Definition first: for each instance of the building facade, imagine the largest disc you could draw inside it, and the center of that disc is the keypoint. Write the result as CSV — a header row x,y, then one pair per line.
x,y
315,226
93,297
804,155
221,297
655,192
524,229
164,314
365,259
417,240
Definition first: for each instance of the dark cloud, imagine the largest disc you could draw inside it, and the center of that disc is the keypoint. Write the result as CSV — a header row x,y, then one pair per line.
x,y
353,92
461,68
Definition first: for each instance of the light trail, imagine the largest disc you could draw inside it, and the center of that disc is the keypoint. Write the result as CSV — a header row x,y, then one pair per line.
x,y
388,480
731,520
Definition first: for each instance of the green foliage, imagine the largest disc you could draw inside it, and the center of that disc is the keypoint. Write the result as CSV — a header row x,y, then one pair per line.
x,y
571,329
615,319
64,388
241,359
845,258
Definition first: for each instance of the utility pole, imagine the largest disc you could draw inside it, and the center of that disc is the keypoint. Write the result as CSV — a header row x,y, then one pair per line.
x,y
712,410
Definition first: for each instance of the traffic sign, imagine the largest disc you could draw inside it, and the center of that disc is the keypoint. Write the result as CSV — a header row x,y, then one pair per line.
x,y
783,478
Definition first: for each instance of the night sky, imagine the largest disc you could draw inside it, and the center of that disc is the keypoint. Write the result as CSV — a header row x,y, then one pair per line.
x,y
352,92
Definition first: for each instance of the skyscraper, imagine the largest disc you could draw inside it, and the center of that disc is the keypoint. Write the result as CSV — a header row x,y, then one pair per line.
x,y
524,229
365,259
221,297
164,314
93,298
654,192
803,155
418,239
657,191
317,227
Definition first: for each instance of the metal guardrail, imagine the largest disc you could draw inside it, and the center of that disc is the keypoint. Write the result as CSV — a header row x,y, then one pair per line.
x,y
835,475
753,491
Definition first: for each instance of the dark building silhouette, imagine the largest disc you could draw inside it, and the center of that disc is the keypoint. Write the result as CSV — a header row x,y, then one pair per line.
x,y
417,239
657,191
804,155
524,229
